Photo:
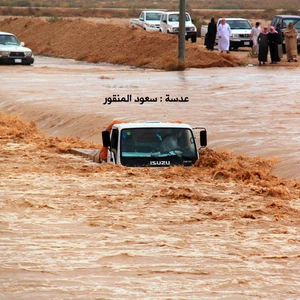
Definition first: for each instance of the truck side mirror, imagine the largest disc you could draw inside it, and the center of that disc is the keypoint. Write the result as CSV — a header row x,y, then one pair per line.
x,y
203,138
106,138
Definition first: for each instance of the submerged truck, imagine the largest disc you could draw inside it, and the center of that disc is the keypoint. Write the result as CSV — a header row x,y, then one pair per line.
x,y
152,144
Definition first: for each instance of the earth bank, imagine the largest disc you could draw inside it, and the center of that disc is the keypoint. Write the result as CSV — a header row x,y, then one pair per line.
x,y
98,42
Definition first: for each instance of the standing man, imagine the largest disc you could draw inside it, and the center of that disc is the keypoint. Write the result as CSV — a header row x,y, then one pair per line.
x,y
290,35
255,31
224,33
280,40
273,45
263,46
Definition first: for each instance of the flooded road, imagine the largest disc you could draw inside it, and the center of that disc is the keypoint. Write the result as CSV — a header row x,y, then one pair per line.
x,y
248,110
74,229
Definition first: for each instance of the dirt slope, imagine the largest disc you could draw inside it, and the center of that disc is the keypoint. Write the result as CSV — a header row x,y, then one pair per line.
x,y
94,42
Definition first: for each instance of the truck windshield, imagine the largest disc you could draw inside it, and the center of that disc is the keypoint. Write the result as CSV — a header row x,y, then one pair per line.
x,y
157,146
153,16
239,24
8,40
286,21
297,25
175,17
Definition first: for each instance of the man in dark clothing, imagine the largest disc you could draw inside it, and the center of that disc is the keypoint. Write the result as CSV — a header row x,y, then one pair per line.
x,y
210,36
262,41
273,45
279,41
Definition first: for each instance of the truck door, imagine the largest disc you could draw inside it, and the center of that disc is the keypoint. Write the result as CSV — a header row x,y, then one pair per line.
x,y
114,146
141,18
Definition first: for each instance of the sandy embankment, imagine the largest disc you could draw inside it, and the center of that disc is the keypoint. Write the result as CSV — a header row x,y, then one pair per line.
x,y
95,42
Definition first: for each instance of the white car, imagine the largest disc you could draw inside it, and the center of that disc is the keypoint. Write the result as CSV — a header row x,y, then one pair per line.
x,y
12,51
169,23
148,20
241,30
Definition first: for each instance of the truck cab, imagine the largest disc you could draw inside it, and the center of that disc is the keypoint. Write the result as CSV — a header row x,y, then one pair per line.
x,y
169,23
148,20
283,21
152,144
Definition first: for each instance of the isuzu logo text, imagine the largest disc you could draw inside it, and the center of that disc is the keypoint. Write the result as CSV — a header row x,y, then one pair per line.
x,y
160,163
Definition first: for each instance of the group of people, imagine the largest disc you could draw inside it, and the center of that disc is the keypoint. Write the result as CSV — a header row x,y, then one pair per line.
x,y
263,40
271,40
224,33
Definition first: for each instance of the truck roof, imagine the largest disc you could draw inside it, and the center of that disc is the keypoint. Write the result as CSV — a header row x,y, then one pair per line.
x,y
173,12
152,11
232,19
6,33
151,124
287,16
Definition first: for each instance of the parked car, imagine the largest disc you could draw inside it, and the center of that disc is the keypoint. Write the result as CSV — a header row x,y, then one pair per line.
x,y
12,51
169,23
241,30
283,21
148,20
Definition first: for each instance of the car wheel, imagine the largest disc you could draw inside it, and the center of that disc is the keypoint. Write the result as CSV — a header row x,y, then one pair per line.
x,y
194,38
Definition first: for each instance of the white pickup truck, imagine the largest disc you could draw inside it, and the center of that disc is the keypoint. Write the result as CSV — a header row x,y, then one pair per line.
x,y
151,144
240,29
169,23
148,20
13,52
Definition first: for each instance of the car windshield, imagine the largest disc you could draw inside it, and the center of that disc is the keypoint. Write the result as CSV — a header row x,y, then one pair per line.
x,y
286,21
8,40
239,24
158,142
153,16
297,25
175,17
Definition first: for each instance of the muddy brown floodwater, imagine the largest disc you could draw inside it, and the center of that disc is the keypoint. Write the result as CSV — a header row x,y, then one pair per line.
x,y
246,110
73,229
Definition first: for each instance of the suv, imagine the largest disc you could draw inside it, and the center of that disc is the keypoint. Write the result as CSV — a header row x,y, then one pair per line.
x,y
169,23
241,30
283,21
12,51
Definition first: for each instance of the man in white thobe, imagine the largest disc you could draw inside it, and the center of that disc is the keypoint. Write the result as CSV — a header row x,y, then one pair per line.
x,y
255,31
224,33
